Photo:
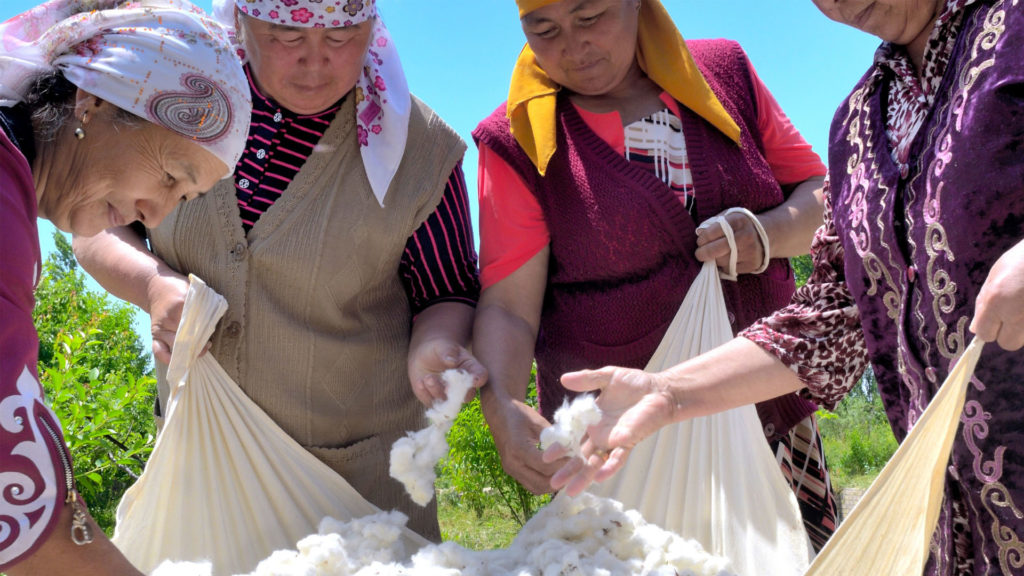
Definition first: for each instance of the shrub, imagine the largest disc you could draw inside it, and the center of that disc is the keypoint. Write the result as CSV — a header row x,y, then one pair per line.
x,y
94,371
473,469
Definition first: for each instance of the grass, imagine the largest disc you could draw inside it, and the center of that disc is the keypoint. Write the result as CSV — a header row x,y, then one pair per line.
x,y
495,528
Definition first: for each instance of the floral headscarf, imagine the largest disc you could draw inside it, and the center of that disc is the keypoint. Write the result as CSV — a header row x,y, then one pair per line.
x,y
382,94
162,60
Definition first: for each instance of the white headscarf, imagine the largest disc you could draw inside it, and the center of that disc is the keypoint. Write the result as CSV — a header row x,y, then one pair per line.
x,y
382,94
162,60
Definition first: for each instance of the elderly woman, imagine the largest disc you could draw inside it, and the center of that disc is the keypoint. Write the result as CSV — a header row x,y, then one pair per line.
x,y
923,243
343,246
108,116
617,141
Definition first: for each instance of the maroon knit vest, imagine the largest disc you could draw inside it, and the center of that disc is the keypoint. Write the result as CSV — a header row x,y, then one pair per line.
x,y
622,243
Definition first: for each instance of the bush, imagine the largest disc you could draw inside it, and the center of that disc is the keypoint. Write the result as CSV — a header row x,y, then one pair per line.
x,y
94,372
472,471
857,437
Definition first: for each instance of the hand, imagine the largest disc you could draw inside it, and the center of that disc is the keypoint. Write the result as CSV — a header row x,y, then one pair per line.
x,y
634,404
516,428
429,360
999,310
712,245
166,295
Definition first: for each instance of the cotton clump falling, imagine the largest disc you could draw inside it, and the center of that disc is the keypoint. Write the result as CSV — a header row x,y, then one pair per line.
x,y
413,458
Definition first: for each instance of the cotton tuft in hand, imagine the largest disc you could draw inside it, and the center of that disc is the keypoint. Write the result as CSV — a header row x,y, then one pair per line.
x,y
413,458
571,423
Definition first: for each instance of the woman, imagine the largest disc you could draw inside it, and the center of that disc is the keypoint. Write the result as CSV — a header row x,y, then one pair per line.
x,y
343,246
589,212
109,116
923,242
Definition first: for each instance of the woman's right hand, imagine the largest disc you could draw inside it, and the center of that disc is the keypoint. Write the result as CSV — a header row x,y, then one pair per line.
x,y
516,427
634,404
166,292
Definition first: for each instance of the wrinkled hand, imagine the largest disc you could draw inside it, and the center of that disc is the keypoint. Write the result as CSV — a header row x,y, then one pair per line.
x,y
166,299
999,310
431,359
712,245
634,404
516,428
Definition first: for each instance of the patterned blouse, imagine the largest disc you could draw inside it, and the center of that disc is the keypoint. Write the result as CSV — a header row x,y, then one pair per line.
x,y
818,335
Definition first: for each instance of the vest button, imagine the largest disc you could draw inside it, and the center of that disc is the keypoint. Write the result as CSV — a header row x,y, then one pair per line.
x,y
238,252
233,329
911,274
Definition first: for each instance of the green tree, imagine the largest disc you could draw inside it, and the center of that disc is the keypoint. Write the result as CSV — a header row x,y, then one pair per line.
x,y
96,376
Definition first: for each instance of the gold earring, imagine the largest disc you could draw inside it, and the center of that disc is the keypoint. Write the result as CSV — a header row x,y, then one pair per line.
x,y
80,132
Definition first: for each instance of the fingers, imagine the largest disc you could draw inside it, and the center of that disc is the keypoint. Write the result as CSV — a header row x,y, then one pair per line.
x,y
429,389
162,344
578,473
465,361
712,245
587,380
531,470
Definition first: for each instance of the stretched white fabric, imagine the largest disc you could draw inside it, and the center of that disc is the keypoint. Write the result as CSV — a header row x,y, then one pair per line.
x,y
890,529
224,483
713,479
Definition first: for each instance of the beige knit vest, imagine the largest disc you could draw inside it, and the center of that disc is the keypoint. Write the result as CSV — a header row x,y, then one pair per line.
x,y
318,324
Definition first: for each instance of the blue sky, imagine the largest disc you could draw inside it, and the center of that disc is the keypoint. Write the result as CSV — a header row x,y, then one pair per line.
x,y
458,55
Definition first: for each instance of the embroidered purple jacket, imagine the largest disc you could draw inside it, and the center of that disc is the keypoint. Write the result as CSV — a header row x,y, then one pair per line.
x,y
917,251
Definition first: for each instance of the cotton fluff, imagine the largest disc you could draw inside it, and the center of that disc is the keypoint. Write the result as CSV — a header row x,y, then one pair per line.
x,y
413,458
571,423
585,535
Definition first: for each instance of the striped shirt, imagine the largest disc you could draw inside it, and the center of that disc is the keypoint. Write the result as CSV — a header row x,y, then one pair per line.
x,y
440,260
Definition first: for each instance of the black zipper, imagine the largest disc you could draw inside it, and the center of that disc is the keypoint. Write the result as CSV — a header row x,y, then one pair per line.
x,y
80,532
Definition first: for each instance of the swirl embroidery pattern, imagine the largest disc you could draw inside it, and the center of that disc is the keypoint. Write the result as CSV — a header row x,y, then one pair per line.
x,y
27,496
203,112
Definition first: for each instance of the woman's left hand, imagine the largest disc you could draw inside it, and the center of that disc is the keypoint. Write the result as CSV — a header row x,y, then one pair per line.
x,y
430,360
712,245
634,405
999,310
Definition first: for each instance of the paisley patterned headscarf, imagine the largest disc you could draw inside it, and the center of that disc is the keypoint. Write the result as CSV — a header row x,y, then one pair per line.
x,y
161,60
382,94
661,53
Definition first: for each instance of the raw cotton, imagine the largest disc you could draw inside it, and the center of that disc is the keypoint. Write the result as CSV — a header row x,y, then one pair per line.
x,y
413,458
890,529
713,479
581,536
570,423
225,484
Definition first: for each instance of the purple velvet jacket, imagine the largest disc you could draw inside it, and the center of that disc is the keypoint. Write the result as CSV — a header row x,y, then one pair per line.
x,y
622,243
917,252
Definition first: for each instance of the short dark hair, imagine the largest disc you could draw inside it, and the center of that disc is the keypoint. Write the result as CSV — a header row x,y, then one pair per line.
x,y
51,98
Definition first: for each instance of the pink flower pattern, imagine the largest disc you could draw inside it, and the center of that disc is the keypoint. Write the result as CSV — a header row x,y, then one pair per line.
x,y
301,15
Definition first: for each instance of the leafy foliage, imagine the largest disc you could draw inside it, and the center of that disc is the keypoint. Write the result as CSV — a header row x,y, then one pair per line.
x,y
472,472
95,375
857,437
802,266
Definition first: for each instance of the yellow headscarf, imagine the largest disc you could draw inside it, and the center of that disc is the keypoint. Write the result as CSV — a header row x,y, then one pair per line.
x,y
661,53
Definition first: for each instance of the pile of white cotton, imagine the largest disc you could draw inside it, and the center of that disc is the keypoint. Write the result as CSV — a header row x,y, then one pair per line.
x,y
585,536
413,458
